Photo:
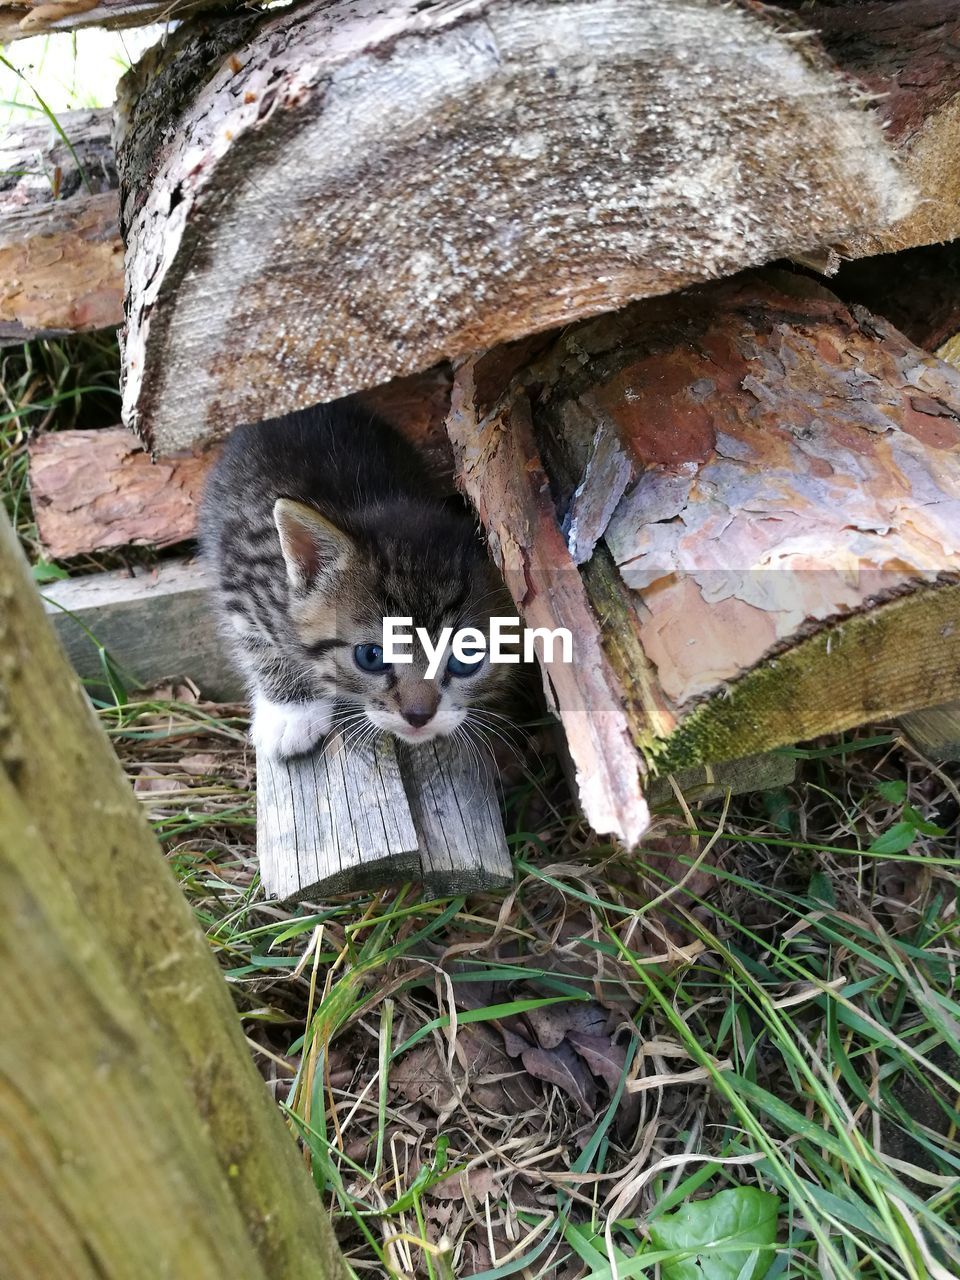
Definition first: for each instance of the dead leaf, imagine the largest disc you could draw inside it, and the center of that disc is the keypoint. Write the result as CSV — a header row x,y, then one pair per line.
x,y
201,762
480,1182
551,1023
604,1058
149,779
562,1067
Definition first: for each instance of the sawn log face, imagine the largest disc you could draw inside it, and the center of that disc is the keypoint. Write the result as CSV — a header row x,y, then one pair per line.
x,y
350,194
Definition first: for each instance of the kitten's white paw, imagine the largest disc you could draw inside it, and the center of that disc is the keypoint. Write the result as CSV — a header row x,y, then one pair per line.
x,y
284,729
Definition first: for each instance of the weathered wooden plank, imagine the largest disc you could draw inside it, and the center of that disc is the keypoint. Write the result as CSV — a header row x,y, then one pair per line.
x,y
346,819
645,145
935,730
155,624
704,783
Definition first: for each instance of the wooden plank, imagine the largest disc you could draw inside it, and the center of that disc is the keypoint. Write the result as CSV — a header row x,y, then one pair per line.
x,y
708,782
155,624
935,730
346,819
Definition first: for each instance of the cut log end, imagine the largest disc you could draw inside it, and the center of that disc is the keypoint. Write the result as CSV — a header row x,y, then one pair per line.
x,y
271,263
343,819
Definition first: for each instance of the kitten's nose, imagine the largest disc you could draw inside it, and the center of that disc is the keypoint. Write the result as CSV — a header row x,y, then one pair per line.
x,y
418,718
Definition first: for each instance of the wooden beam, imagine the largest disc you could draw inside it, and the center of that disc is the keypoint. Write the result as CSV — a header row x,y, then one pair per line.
x,y
347,819
645,145
61,258
706,782
935,730
742,502
156,624
136,1136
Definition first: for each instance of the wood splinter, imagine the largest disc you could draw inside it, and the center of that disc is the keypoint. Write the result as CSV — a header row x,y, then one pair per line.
x,y
342,820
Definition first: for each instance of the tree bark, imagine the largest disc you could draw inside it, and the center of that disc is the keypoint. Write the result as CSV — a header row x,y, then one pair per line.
x,y
61,258
97,490
319,201
752,497
138,1139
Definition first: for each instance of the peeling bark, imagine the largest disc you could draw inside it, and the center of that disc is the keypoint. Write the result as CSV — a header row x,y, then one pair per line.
x,y
756,491
95,490
61,258
349,192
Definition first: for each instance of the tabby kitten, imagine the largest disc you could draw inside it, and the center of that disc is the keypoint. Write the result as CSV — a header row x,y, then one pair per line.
x,y
317,526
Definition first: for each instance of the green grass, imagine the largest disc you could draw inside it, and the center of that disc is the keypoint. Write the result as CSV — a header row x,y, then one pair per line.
x,y
795,1002
778,974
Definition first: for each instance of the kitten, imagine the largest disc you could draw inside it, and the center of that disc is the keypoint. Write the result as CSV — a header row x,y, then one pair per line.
x,y
317,526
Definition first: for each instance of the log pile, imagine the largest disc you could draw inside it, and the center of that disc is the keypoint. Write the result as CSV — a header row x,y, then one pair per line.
x,y
744,502
742,497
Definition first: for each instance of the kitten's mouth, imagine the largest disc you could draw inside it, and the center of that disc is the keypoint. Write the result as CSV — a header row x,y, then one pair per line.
x,y
413,734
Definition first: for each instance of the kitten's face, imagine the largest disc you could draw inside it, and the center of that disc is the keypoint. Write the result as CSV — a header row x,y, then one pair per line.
x,y
434,571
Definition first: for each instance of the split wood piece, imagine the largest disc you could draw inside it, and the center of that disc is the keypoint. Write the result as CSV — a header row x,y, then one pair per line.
x,y
759,498
155,625
138,1137
346,819
354,193
935,730
32,17
96,490
61,258
706,782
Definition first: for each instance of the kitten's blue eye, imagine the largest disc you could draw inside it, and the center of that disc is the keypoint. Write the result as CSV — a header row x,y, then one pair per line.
x,y
369,657
457,667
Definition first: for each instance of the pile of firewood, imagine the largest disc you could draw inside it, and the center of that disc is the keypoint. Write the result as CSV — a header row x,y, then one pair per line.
x,y
659,283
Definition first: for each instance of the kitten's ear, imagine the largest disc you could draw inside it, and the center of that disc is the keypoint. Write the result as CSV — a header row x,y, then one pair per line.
x,y
310,544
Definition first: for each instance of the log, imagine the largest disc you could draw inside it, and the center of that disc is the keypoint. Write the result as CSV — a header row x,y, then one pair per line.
x,y
347,819
744,503
98,490
136,1136
32,17
155,624
935,731
61,257
352,194
904,52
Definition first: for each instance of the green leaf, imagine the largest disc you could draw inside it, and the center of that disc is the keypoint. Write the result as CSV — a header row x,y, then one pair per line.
x,y
895,839
895,791
910,814
728,1237
46,571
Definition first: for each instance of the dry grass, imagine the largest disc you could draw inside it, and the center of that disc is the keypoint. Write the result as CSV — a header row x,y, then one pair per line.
x,y
526,1084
